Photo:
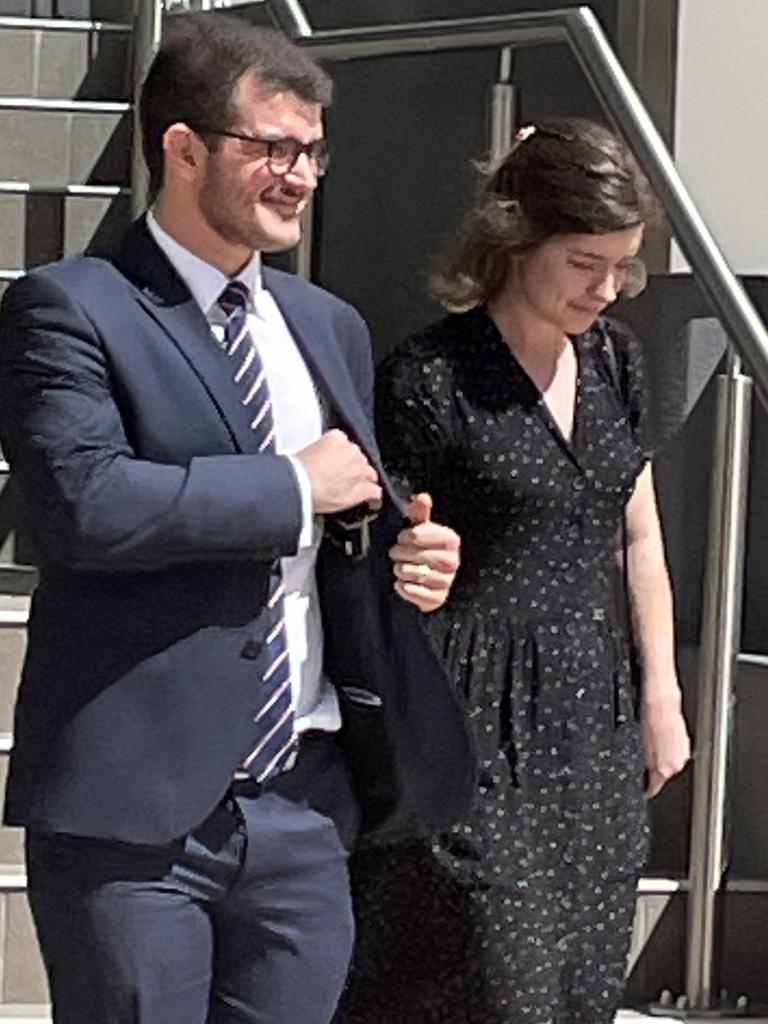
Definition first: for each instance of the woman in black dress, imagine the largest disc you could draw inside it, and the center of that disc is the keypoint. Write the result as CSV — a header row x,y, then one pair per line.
x,y
522,413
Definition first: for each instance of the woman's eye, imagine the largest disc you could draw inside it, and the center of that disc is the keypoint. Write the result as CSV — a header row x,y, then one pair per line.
x,y
580,266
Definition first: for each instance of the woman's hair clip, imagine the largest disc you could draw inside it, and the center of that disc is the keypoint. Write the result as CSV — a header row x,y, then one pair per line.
x,y
525,132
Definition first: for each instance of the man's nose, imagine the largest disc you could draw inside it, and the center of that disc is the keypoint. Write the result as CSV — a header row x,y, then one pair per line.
x,y
304,169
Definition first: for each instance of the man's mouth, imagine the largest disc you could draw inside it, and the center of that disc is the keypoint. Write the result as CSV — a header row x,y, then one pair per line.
x,y
286,207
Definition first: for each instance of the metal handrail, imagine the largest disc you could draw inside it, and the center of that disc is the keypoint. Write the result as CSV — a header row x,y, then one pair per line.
x,y
292,18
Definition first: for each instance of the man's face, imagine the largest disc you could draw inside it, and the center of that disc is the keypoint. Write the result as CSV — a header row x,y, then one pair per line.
x,y
243,200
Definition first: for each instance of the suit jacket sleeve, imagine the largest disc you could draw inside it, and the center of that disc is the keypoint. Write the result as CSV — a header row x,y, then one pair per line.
x,y
91,502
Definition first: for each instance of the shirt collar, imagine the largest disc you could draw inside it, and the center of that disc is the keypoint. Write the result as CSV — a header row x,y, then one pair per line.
x,y
205,282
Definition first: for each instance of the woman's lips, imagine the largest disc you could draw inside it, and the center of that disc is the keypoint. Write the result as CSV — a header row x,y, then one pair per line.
x,y
586,310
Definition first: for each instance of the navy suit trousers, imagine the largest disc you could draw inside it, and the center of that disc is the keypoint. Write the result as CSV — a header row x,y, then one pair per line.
x,y
246,920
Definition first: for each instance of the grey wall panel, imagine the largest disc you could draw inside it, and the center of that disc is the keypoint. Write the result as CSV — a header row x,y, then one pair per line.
x,y
749,769
57,64
683,472
745,947
99,152
39,227
60,148
23,976
17,62
350,13
84,65
12,648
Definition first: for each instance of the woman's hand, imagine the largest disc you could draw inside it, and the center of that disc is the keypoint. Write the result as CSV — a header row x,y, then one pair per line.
x,y
426,558
666,742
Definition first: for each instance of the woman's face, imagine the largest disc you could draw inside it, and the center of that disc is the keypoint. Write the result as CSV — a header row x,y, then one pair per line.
x,y
568,280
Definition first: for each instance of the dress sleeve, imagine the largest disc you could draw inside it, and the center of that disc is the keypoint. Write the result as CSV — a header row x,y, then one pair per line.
x,y
412,410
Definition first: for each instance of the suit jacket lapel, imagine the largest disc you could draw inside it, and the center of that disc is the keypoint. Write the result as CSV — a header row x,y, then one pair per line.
x,y
165,297
332,377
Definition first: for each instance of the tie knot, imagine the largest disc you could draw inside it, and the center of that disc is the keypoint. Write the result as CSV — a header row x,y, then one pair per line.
x,y
234,297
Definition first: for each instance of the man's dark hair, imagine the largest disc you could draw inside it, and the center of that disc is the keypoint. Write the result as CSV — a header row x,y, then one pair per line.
x,y
193,77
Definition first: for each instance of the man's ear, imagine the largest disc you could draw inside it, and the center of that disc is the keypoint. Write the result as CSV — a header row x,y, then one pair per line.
x,y
184,151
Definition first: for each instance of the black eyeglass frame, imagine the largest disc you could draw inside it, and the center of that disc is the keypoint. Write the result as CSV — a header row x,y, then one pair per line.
x,y
315,151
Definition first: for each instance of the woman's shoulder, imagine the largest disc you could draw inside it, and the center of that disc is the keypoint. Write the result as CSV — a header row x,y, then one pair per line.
x,y
433,352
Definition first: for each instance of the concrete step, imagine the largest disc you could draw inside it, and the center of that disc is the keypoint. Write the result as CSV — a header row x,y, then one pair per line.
x,y
41,1015
118,11
30,1014
15,551
633,1017
58,143
23,981
7,275
42,225
61,59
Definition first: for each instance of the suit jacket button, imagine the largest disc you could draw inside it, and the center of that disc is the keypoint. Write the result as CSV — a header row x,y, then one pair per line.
x,y
251,650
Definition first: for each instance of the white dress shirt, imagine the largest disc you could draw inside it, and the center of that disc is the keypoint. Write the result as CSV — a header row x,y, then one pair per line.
x,y
298,422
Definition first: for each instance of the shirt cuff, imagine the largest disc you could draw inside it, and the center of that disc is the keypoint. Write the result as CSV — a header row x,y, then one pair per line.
x,y
307,510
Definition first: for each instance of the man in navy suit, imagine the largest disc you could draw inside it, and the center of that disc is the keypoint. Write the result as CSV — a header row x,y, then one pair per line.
x,y
221,679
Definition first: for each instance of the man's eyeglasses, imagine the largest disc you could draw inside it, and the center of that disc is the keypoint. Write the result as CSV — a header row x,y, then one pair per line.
x,y
281,154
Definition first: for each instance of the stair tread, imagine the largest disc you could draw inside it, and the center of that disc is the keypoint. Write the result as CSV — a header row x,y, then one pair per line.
x,y
11,22
25,1012
14,603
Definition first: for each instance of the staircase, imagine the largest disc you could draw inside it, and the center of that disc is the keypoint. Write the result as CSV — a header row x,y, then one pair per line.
x,y
64,171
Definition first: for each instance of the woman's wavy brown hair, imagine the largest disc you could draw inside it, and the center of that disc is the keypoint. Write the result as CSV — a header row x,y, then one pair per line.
x,y
569,176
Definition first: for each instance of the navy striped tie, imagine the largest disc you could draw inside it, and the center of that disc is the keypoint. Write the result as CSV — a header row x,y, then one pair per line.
x,y
276,744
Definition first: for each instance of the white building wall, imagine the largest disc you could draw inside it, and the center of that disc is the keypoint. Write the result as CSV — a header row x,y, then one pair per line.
x,y
721,134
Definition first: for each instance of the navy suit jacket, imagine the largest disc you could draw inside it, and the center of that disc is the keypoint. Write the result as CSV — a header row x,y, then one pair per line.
x,y
155,524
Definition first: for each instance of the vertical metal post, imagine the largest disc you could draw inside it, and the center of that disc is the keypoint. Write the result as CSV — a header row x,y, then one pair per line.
x,y
148,22
502,107
302,258
292,19
721,628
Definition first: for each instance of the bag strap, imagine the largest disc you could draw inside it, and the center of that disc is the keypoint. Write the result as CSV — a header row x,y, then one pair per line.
x,y
618,379
612,364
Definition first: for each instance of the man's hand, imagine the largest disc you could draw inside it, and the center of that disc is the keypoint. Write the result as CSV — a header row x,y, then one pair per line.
x,y
339,474
426,557
665,742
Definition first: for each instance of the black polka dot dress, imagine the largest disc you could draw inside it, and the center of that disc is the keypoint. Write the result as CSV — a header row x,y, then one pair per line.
x,y
520,914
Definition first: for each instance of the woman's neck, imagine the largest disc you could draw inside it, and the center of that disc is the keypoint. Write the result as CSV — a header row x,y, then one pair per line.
x,y
524,330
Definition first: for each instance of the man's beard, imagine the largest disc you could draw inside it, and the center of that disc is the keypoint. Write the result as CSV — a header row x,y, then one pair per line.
x,y
219,208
